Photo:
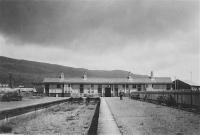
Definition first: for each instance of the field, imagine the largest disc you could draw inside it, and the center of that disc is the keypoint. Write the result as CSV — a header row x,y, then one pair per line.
x,y
141,118
66,118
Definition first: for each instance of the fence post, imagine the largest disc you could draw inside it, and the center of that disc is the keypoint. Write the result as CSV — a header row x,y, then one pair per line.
x,y
6,118
177,98
191,98
35,111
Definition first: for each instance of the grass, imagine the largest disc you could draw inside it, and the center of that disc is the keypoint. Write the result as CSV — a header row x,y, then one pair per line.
x,y
65,118
5,128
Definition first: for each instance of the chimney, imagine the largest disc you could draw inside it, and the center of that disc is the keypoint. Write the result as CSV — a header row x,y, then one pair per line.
x,y
84,76
62,76
151,76
129,76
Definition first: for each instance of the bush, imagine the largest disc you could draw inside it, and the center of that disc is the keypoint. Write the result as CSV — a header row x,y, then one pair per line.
x,y
87,100
170,101
76,100
92,100
5,128
161,99
145,97
135,96
11,96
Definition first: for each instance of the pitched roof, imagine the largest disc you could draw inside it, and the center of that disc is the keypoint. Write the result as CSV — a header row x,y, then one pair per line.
x,y
143,80
190,83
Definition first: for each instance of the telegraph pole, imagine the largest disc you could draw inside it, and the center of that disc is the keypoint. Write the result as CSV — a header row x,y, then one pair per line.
x,y
175,82
10,80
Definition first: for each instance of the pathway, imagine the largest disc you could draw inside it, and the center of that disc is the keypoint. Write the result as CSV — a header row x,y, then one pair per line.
x,y
106,123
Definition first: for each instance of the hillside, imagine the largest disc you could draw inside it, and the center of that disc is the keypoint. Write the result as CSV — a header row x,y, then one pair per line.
x,y
26,72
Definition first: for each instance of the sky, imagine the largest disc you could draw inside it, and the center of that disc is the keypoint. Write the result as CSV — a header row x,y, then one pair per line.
x,y
133,35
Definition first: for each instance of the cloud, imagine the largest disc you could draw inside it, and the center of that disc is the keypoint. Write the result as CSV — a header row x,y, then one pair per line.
x,y
63,22
136,35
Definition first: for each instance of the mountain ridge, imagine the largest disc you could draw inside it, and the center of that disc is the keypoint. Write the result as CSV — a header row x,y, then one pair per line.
x,y
26,72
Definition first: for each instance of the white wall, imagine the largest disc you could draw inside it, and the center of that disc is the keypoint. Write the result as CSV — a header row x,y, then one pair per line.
x,y
55,90
75,88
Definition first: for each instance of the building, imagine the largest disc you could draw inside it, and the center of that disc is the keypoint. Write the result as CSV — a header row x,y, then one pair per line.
x,y
185,85
4,85
84,86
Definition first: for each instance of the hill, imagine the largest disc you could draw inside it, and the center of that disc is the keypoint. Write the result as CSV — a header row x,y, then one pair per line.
x,y
26,72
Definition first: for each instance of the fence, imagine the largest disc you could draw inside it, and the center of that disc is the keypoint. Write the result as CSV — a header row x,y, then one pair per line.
x,y
181,97
21,110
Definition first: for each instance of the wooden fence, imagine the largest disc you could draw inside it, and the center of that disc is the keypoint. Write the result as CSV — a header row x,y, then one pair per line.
x,y
181,97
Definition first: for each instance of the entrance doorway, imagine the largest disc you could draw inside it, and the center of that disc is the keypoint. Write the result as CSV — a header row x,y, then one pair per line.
x,y
116,92
107,92
47,89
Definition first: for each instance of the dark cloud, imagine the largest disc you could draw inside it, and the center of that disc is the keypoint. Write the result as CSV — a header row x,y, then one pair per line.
x,y
48,22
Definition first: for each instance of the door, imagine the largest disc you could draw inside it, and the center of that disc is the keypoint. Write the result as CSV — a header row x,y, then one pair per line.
x,y
107,92
47,89
116,92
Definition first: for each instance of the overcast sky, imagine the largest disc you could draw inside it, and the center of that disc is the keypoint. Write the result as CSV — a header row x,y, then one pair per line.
x,y
133,35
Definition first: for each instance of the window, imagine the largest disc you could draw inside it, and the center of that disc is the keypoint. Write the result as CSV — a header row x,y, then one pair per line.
x,y
81,88
58,86
134,86
139,87
168,86
92,86
99,89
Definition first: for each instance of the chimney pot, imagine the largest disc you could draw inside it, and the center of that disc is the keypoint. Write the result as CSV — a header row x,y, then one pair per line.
x,y
152,74
84,76
62,76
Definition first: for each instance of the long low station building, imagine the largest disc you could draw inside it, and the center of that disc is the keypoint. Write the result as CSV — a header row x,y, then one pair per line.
x,y
85,86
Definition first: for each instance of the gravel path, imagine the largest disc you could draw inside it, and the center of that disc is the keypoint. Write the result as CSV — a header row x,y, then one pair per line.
x,y
141,118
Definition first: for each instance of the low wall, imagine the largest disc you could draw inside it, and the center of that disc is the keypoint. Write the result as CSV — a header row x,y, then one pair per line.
x,y
22,110
94,123
183,97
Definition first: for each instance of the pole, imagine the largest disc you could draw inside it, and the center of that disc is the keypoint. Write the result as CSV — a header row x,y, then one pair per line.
x,y
175,82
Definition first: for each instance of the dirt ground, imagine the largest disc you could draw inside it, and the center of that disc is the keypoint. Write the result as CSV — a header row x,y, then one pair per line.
x,y
67,118
141,118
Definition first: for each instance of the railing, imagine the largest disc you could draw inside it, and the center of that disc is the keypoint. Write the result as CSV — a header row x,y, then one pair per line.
x,y
179,97
5,114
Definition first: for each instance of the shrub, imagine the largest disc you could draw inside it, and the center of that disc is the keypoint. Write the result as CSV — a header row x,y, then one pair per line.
x,y
145,97
5,128
170,101
87,100
161,99
76,100
135,96
11,96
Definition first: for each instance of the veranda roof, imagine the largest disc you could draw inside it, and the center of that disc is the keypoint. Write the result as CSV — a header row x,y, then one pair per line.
x,y
141,80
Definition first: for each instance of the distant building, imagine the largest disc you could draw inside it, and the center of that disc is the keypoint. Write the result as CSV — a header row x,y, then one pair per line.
x,y
4,85
185,84
84,86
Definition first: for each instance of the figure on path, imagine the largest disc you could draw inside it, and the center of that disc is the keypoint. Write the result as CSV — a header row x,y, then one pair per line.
x,y
121,95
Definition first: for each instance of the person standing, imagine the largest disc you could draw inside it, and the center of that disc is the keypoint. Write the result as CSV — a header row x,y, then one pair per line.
x,y
121,95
